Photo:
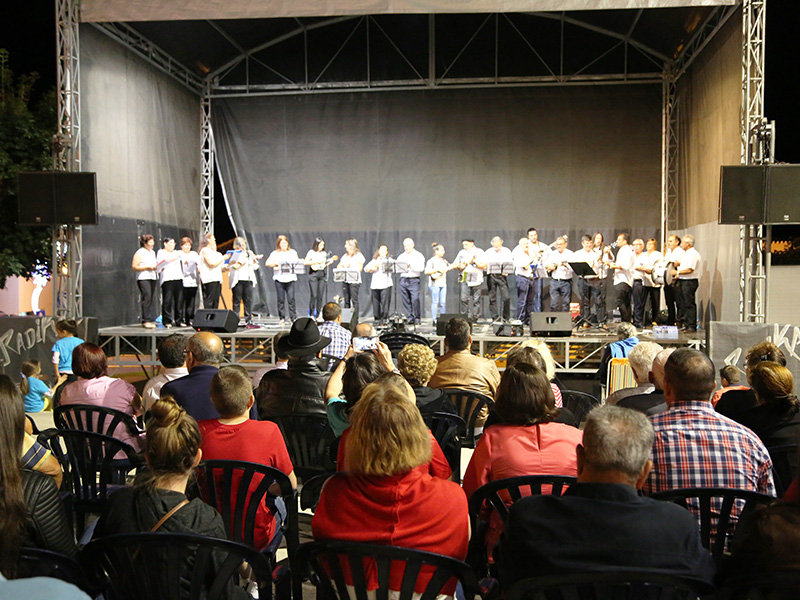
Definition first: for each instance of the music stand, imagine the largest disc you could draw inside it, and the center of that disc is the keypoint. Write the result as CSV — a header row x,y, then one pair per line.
x,y
582,269
500,268
397,266
342,275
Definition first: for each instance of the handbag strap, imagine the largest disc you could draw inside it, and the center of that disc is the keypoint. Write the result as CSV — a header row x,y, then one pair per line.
x,y
163,519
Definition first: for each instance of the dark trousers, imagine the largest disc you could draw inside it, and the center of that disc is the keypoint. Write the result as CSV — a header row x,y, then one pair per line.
x,y
623,291
381,303
285,293
469,300
350,293
188,295
671,299
147,299
602,311
171,292
560,295
688,290
409,294
638,303
317,288
652,298
211,293
498,295
525,292
538,290
590,299
243,293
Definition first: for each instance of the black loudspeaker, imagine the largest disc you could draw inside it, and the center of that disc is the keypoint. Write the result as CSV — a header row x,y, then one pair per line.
x,y
444,318
551,324
57,198
509,330
783,194
741,194
217,320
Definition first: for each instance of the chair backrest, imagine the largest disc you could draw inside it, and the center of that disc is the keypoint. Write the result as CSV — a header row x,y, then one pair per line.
x,y
616,585
579,404
620,375
308,439
34,428
335,565
469,405
448,429
784,466
718,510
311,490
769,585
397,340
97,419
157,566
36,562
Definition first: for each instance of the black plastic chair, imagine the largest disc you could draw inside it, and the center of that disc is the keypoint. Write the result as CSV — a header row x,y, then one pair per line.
x,y
397,340
308,439
34,428
469,406
311,490
769,585
448,429
91,467
172,566
714,508
225,485
385,565
579,404
97,419
486,500
611,585
784,466
36,562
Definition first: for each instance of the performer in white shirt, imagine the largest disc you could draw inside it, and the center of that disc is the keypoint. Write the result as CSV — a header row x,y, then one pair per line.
x,y
144,263
671,295
495,258
589,286
353,261
381,285
210,268
171,277
606,258
318,260
623,275
414,263
242,278
283,260
651,288
436,268
469,261
537,250
561,274
638,283
189,265
688,274
523,276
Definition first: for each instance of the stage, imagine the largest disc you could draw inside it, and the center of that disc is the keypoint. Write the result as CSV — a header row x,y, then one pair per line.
x,y
133,346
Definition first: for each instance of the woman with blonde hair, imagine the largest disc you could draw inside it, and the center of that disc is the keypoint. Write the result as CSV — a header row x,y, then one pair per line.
x,y
519,355
417,363
210,270
282,261
353,262
242,277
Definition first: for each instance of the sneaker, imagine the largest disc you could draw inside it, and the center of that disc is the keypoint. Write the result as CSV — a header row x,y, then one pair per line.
x,y
149,325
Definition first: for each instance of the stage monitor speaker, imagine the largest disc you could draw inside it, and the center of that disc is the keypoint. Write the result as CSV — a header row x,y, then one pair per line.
x,y
783,194
444,319
57,198
551,324
217,320
509,330
741,194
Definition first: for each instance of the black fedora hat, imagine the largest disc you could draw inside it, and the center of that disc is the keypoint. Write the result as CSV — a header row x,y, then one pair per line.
x,y
304,339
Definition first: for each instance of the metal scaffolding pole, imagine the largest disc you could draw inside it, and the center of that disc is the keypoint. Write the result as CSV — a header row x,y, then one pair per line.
x,y
207,171
669,156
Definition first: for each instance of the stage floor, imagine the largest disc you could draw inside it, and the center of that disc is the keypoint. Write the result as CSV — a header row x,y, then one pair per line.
x,y
135,346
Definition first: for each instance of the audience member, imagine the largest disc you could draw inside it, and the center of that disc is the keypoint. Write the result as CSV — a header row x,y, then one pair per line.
x,y
39,588
160,503
458,368
31,513
365,330
300,389
641,358
776,419
172,356
38,458
387,496
537,353
417,363
234,436
526,442
192,391
735,402
332,328
32,387
697,447
729,378
281,361
626,340
600,524
653,402
67,332
95,388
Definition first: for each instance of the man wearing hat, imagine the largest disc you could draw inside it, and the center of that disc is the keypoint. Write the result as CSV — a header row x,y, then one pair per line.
x,y
300,388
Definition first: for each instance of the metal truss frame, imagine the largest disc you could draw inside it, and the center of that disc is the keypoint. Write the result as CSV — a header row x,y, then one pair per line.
x,y
207,152
670,111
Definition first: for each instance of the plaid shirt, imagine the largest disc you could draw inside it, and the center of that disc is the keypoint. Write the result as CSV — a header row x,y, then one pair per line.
x,y
340,338
697,447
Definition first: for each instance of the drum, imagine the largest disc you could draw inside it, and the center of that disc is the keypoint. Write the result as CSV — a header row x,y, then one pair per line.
x,y
662,272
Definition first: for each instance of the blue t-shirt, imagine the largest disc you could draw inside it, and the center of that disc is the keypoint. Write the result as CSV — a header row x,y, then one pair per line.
x,y
34,399
64,347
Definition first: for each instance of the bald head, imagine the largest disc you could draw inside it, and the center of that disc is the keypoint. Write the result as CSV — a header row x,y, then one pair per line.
x,y
657,370
204,348
365,330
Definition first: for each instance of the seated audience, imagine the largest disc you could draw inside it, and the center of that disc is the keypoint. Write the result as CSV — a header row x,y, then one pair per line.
x,y
651,403
387,496
38,458
735,402
537,353
173,452
600,524
365,330
641,358
526,442
694,445
459,368
332,328
417,364
281,361
234,436
626,340
31,513
94,387
32,387
729,378
300,388
172,356
776,419
39,588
